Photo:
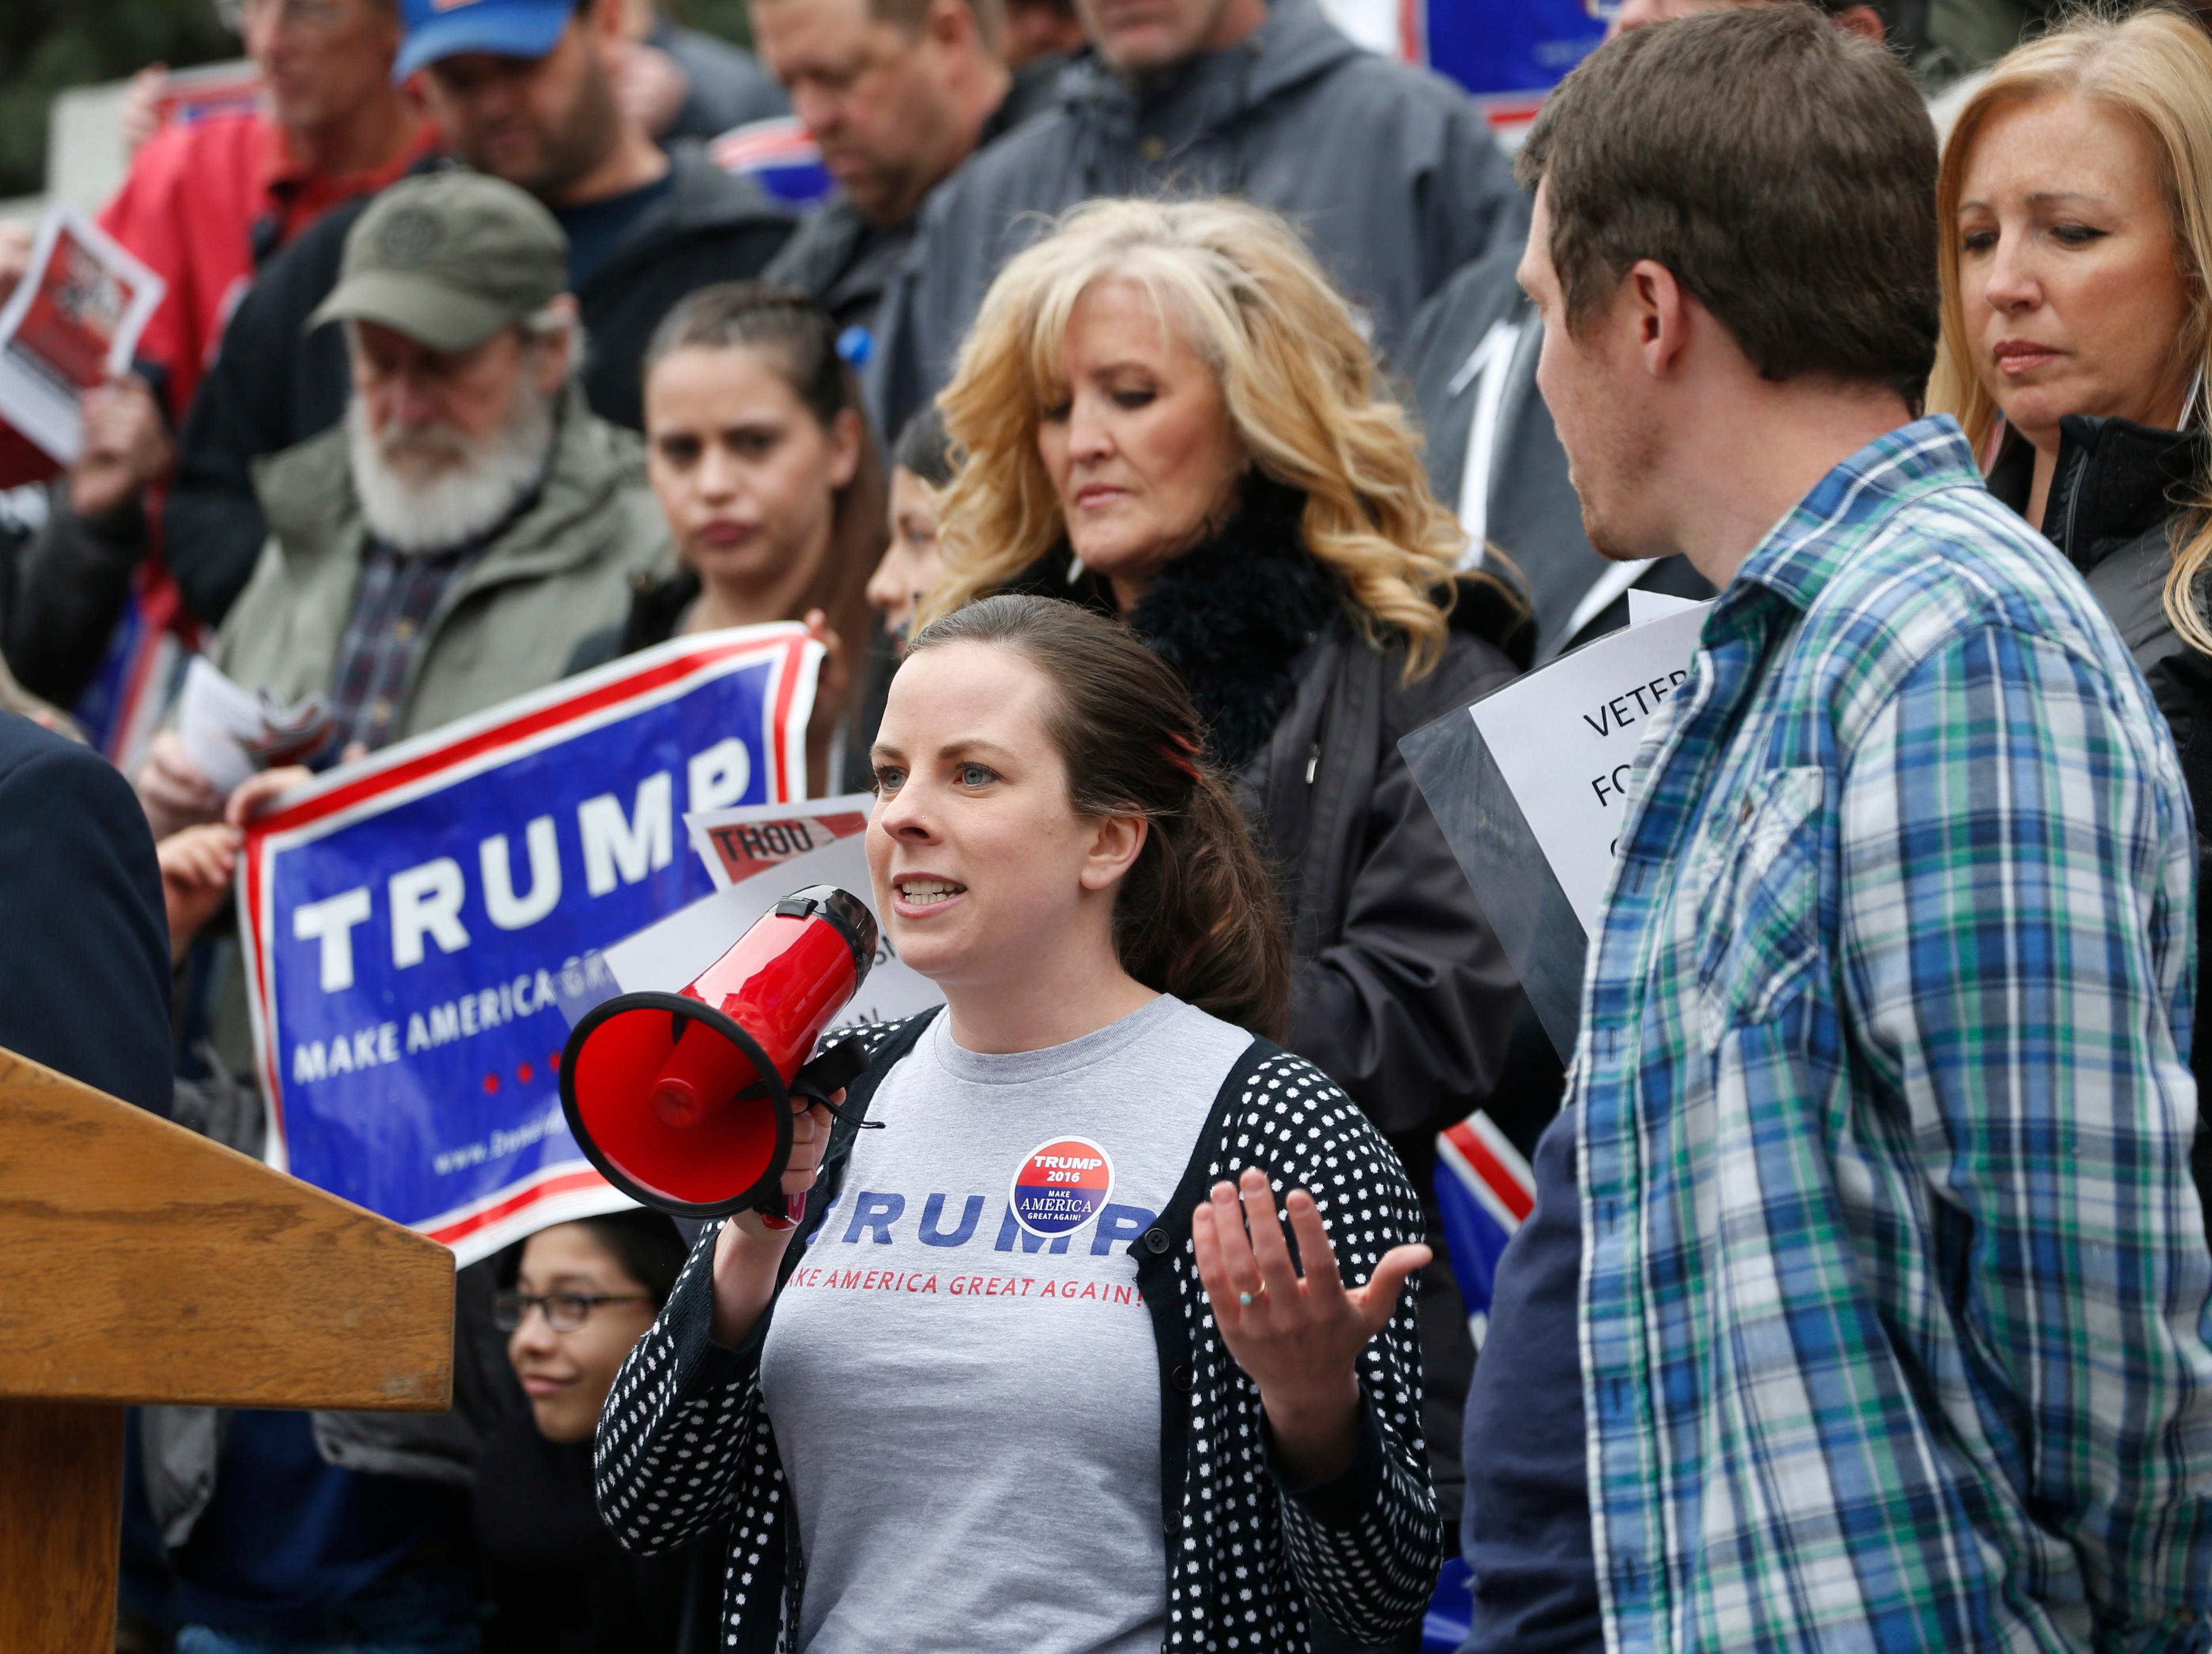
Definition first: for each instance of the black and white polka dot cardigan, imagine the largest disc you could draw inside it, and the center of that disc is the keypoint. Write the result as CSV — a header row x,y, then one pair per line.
x,y
685,1447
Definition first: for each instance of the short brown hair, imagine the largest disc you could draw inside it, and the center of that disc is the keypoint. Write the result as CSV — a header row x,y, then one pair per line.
x,y
1782,170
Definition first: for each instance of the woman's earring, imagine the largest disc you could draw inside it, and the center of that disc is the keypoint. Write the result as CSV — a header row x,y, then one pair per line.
x,y
1074,568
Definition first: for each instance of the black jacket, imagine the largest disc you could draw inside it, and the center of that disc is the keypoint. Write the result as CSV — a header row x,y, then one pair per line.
x,y
1475,343
656,609
63,582
84,973
2118,495
846,260
1402,993
270,389
555,1579
685,1441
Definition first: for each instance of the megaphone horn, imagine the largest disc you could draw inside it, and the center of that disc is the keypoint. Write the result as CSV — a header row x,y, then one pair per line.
x,y
682,1100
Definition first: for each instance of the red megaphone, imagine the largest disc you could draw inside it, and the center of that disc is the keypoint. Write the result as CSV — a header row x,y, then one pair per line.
x,y
684,1101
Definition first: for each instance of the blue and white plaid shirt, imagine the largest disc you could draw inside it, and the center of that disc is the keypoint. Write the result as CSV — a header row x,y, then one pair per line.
x,y
1894,1282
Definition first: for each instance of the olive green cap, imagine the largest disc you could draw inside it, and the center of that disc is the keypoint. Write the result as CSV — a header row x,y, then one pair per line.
x,y
448,259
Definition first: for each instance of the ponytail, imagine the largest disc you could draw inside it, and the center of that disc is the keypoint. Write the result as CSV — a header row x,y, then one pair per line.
x,y
1197,915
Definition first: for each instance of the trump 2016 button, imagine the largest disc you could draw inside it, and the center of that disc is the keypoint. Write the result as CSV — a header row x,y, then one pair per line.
x,y
1059,1186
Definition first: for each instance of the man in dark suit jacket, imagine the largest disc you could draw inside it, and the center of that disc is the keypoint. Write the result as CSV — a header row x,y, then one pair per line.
x,y
85,937
1492,452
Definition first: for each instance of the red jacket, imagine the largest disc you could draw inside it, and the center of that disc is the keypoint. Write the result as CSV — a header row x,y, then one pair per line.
x,y
191,207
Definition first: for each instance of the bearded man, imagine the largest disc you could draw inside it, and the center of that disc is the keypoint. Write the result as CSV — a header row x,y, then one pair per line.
x,y
471,519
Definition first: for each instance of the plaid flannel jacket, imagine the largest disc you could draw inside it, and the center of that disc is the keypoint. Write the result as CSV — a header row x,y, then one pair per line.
x,y
1894,1279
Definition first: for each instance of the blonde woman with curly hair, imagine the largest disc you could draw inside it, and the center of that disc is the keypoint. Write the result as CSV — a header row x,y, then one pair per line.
x,y
1166,412
2076,197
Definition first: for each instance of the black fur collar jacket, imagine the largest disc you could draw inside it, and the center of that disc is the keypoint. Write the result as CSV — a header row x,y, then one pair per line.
x,y
1403,996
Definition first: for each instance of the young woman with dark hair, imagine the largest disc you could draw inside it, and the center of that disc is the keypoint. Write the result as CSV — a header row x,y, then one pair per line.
x,y
1039,1370
759,453
580,1295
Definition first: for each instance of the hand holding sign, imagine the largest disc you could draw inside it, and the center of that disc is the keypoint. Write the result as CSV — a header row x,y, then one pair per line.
x,y
173,789
196,868
15,257
1298,1339
830,692
126,445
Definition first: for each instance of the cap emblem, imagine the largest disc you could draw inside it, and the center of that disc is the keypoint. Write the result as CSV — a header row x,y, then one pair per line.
x,y
409,237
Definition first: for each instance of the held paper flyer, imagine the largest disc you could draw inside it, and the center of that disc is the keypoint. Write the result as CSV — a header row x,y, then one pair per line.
x,y
72,322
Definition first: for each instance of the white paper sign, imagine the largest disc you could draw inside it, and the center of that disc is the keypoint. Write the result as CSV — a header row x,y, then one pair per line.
x,y
1645,606
1566,740
231,732
72,322
814,843
739,842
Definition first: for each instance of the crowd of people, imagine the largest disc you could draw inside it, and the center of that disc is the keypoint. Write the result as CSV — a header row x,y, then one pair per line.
x,y
1174,408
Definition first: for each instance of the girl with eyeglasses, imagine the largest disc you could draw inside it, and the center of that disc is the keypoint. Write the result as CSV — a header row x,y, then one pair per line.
x,y
583,1293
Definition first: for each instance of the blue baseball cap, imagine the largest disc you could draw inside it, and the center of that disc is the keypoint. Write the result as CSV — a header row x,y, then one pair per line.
x,y
509,28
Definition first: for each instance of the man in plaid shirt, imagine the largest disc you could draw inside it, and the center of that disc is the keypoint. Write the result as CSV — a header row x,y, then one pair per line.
x,y
1893,1279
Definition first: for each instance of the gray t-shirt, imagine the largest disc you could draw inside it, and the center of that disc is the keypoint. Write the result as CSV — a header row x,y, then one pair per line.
x,y
961,1375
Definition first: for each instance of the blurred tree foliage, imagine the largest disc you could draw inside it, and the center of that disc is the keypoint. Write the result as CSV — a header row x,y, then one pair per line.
x,y
724,17
47,46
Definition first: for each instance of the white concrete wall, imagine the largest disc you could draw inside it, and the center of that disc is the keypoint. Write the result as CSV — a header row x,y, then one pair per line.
x,y
85,162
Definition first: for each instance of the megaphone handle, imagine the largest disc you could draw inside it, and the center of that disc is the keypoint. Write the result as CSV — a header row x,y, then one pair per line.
x,y
830,1072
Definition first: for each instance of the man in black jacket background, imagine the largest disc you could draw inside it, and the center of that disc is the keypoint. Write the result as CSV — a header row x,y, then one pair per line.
x,y
1391,173
522,89
1470,364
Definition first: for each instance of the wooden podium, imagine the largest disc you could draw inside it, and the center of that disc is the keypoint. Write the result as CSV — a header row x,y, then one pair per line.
x,y
141,1263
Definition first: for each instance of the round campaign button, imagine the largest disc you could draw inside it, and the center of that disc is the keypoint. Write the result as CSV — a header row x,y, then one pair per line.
x,y
1061,1186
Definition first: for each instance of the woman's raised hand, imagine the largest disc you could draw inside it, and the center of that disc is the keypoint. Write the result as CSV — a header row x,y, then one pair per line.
x,y
1298,1339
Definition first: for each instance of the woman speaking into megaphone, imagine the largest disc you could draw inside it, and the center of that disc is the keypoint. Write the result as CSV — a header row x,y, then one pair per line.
x,y
1103,1343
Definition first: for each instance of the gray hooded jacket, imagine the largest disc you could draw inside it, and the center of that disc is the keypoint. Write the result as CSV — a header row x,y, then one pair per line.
x,y
1391,173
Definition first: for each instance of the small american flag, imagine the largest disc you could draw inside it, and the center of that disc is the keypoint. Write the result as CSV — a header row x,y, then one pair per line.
x,y
1483,1189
